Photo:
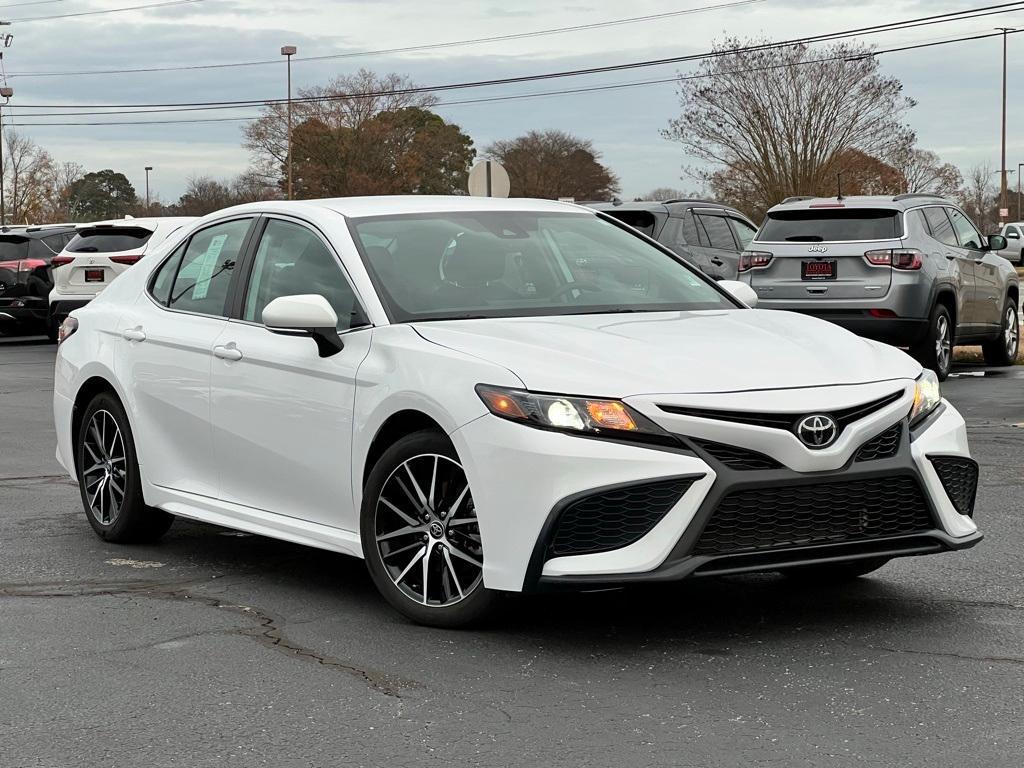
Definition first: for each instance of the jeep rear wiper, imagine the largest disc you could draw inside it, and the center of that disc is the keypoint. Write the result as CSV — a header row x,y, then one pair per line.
x,y
805,239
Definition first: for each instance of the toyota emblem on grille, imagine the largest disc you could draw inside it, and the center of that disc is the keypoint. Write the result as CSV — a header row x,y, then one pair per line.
x,y
817,431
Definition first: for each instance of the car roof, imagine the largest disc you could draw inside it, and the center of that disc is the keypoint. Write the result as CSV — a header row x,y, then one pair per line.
x,y
36,231
893,202
658,205
149,222
388,205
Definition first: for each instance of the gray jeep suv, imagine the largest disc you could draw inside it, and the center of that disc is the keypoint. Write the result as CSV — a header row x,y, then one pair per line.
x,y
708,235
910,270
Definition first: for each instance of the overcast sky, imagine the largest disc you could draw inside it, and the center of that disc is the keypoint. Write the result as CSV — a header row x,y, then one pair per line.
x,y
957,86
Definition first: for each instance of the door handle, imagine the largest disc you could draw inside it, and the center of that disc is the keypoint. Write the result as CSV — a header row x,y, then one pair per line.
x,y
230,352
950,256
717,261
133,334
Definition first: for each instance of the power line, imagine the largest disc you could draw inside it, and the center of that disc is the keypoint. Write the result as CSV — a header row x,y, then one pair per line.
x,y
405,49
541,94
27,19
33,2
826,37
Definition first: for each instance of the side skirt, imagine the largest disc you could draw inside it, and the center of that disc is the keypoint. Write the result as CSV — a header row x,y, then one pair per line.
x,y
257,521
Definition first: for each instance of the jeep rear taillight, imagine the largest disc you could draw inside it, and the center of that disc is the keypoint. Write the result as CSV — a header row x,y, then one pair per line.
x,y
754,260
897,258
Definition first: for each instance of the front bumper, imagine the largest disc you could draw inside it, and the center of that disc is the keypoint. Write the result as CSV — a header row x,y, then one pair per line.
x,y
525,479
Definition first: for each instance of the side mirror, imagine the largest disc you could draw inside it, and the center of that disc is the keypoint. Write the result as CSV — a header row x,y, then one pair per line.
x,y
740,291
996,242
305,315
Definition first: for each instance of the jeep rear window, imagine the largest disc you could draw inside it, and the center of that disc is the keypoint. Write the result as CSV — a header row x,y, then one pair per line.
x,y
831,225
109,239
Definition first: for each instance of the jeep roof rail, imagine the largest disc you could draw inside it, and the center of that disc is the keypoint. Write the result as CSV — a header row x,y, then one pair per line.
x,y
690,200
913,195
796,199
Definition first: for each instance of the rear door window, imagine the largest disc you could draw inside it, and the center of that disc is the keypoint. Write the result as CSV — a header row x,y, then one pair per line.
x,y
109,239
160,288
938,223
968,236
689,229
830,225
718,232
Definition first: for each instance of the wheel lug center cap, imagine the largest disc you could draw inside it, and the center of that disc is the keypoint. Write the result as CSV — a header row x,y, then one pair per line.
x,y
436,530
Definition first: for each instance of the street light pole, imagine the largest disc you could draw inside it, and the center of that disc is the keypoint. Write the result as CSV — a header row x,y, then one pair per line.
x,y
1019,166
1002,186
289,51
148,169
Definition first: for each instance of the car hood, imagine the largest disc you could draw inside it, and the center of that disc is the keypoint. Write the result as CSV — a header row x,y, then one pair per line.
x,y
619,355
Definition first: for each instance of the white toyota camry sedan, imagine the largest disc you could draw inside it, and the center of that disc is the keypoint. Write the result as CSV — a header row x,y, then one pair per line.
x,y
483,396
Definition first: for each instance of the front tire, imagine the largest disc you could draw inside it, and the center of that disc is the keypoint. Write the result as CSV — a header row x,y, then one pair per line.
x,y
935,351
1002,350
420,534
109,479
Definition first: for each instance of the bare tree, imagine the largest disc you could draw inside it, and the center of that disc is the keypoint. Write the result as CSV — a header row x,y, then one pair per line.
x,y
923,171
345,102
670,193
58,191
774,122
27,168
979,197
552,164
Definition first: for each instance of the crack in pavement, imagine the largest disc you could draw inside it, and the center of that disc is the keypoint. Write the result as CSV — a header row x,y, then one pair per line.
x,y
949,655
37,480
268,632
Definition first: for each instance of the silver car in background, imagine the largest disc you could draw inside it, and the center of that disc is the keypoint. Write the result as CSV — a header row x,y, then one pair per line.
x,y
909,270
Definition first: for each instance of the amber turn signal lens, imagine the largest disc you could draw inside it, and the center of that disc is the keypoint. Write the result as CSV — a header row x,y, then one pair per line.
x,y
501,404
609,414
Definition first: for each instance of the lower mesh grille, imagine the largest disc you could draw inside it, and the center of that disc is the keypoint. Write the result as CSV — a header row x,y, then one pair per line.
x,y
959,477
612,519
883,446
809,515
735,457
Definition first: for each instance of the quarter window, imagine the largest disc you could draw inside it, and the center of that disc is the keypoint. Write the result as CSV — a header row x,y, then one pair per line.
x,y
161,286
204,277
965,231
939,224
719,234
292,260
744,232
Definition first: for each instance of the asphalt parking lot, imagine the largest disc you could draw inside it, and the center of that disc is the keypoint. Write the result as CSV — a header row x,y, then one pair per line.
x,y
220,649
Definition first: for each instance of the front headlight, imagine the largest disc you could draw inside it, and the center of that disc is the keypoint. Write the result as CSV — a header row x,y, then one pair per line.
x,y
926,396
583,415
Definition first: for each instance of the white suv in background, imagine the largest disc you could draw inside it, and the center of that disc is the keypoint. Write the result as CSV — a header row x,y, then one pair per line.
x,y
100,252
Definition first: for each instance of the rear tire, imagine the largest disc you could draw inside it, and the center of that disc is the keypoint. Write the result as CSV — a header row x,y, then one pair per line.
x,y
109,479
1002,350
417,508
836,572
935,351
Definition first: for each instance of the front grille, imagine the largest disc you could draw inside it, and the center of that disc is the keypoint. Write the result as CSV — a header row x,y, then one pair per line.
x,y
615,518
735,457
809,515
883,446
959,477
785,420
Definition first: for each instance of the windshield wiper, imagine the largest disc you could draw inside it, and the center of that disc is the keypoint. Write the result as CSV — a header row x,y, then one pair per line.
x,y
611,311
87,249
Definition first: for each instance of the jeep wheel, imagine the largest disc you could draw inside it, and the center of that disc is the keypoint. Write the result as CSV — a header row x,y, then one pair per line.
x,y
1002,350
935,351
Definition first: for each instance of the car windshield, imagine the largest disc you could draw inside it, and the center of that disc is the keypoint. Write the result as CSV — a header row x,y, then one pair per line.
x,y
109,239
515,264
830,225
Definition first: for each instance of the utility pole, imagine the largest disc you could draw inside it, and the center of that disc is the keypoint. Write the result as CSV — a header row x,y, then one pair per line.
x,y
148,169
289,51
1003,205
6,93
1019,167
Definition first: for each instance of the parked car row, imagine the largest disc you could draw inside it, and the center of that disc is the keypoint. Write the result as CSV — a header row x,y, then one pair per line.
x,y
910,270
47,271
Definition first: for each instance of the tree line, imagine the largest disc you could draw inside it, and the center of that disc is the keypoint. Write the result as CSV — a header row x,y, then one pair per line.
x,y
763,124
